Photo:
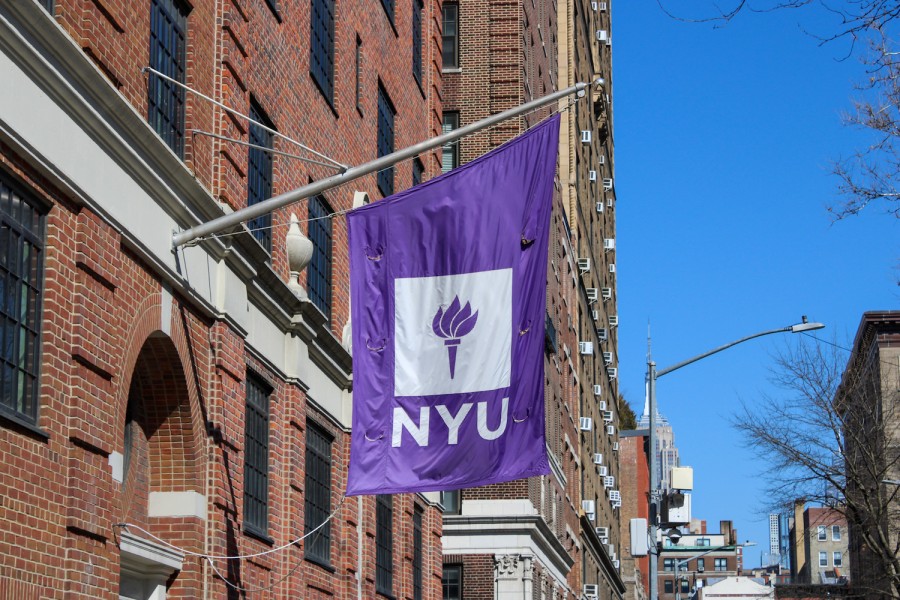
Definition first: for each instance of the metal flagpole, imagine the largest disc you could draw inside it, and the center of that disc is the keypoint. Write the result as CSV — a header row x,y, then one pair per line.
x,y
245,214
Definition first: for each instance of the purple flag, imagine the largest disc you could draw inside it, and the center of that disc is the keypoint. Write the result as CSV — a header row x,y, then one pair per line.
x,y
448,282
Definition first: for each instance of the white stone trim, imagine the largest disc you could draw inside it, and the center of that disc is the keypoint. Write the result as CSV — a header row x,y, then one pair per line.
x,y
177,504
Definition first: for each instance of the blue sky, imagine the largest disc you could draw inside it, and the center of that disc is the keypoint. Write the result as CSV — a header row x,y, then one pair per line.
x,y
724,140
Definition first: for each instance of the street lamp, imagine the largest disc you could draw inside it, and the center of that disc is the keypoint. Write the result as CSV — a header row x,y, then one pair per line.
x,y
652,376
684,562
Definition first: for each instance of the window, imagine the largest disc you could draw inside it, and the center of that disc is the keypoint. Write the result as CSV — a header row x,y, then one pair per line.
x,y
685,586
701,565
256,456
417,553
823,559
669,586
259,175
165,100
384,556
317,501
273,6
838,559
451,581
450,151
22,281
836,533
703,542
668,564
385,140
389,9
451,501
358,74
48,4
450,35
822,533
721,564
417,40
418,171
321,46
318,274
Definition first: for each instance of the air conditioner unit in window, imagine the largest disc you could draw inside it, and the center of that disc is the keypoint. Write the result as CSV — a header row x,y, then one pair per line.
x,y
610,430
588,506
609,244
602,6
595,314
592,175
615,495
601,405
591,517
609,41
615,446
598,390
602,471
585,347
602,159
609,481
610,549
607,357
612,372
612,267
603,334
616,562
602,35
591,590
600,206
609,202
586,136
586,423
613,320
598,458
607,416
602,531
592,294
594,6
607,183
606,293
584,265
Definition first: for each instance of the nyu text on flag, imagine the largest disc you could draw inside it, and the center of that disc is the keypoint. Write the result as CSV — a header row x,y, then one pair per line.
x,y
448,292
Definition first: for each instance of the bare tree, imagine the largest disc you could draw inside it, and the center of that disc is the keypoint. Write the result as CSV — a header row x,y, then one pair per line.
x,y
831,438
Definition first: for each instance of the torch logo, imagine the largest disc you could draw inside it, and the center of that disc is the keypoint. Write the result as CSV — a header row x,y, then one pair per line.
x,y
453,324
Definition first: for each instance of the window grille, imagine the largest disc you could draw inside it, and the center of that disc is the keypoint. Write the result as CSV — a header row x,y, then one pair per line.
x,y
259,177
22,280
450,151
417,40
319,271
385,140
321,48
384,559
417,553
165,101
256,456
318,494
450,35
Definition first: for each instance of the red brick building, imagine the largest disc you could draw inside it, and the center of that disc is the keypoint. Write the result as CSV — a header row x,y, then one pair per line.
x,y
163,405
635,473
555,536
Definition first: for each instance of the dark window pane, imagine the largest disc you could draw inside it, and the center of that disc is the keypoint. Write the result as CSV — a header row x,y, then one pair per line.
x,y
21,287
256,456
317,503
417,554
418,171
450,36
48,4
388,8
450,500
321,48
319,270
385,140
358,73
451,581
165,100
384,545
259,176
417,39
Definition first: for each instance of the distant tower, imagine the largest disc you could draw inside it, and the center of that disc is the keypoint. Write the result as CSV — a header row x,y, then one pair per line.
x,y
666,452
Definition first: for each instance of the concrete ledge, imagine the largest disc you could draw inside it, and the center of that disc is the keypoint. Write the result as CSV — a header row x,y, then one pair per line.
x,y
177,504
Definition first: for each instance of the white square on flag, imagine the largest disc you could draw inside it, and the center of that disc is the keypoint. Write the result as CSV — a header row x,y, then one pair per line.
x,y
425,350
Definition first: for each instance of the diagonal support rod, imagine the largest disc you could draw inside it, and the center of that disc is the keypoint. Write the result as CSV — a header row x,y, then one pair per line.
x,y
251,212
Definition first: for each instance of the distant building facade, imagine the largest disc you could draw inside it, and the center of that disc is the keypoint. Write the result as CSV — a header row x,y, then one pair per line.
x,y
710,557
635,485
820,544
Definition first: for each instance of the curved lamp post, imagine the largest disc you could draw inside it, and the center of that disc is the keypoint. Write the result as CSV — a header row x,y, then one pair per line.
x,y
652,376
